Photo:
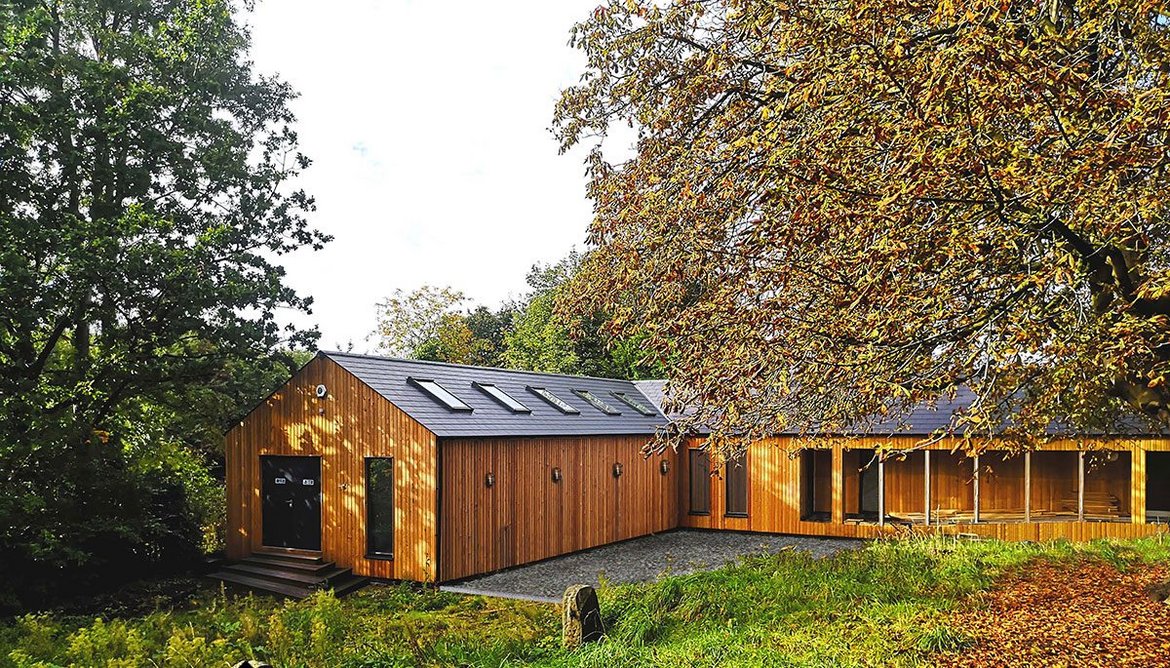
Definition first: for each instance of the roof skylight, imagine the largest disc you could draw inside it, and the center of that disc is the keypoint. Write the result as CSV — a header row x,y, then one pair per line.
x,y
596,402
634,403
440,394
554,400
505,399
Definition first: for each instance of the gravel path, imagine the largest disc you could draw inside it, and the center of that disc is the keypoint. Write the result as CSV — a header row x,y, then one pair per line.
x,y
642,559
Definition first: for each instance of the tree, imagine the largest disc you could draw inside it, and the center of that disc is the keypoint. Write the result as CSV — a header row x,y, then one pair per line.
x,y
408,321
838,211
548,338
428,324
144,199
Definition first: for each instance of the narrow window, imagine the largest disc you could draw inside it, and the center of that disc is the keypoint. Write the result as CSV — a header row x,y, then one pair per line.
x,y
380,507
596,402
440,394
553,400
737,487
635,404
700,466
816,485
503,398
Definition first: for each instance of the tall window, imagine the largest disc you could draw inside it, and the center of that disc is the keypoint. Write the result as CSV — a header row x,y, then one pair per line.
x,y
700,475
380,507
816,485
737,487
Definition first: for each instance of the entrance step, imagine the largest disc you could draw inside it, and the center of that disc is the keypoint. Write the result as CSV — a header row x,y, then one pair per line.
x,y
288,575
281,562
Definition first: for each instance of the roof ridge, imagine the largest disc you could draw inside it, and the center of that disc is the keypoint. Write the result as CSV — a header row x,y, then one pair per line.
x,y
388,358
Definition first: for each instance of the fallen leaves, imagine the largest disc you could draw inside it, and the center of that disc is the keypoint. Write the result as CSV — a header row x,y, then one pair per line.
x,y
1081,614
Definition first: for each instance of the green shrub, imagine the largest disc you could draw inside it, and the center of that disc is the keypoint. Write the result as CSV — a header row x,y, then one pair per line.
x,y
886,604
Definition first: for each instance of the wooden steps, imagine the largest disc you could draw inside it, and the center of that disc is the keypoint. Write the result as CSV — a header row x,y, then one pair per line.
x,y
290,575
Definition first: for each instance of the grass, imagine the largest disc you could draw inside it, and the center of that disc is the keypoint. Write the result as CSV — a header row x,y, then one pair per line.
x,y
887,604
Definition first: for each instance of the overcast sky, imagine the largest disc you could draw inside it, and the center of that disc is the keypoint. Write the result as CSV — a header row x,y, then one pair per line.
x,y
427,123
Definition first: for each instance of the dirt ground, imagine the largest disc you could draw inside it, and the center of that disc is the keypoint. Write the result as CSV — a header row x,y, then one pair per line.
x,y
1087,614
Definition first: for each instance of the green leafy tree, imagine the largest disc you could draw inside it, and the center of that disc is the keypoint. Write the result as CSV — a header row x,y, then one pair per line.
x,y
410,322
429,324
838,211
144,198
540,340
547,337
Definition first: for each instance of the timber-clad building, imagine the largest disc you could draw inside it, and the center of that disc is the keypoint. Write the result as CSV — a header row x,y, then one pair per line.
x,y
423,471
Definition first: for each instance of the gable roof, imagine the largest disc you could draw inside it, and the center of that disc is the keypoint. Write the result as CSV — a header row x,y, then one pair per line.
x,y
392,378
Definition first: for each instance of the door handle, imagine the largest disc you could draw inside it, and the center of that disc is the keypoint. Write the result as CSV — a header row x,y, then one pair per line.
x,y
290,503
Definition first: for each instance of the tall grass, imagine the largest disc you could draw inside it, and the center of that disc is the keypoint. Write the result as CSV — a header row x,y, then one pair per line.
x,y
886,604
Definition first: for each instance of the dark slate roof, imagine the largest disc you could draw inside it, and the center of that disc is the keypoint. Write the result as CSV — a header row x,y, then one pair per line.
x,y
654,390
388,377
924,420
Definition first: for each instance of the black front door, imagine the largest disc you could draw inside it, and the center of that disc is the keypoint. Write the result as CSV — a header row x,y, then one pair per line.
x,y
292,501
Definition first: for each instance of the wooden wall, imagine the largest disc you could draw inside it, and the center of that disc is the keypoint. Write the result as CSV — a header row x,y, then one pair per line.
x,y
352,422
774,490
1001,482
455,527
906,484
526,517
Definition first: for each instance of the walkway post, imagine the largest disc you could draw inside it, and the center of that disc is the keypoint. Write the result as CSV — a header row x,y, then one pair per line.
x,y
881,490
838,483
976,514
1081,486
1028,486
926,456
1137,486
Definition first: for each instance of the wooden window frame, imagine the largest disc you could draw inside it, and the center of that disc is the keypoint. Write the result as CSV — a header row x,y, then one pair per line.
x,y
370,552
691,453
742,462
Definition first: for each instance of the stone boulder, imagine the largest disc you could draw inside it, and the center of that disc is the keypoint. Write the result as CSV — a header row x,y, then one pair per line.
x,y
582,616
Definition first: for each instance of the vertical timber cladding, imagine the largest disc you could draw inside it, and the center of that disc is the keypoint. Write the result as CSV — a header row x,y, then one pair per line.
x,y
526,516
774,493
351,423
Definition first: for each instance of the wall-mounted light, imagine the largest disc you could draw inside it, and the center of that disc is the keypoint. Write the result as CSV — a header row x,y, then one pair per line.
x,y
617,469
489,480
557,476
664,466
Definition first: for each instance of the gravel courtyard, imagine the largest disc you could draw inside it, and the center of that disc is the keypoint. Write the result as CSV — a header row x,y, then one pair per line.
x,y
642,559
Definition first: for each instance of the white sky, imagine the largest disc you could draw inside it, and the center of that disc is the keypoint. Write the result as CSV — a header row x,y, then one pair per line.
x,y
432,162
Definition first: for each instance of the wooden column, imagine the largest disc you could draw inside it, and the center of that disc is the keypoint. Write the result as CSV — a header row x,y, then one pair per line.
x,y
975,519
1137,486
881,490
1027,486
838,484
926,476
1081,486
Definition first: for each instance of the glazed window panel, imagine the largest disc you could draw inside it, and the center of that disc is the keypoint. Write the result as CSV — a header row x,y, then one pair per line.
x,y
736,475
380,506
700,482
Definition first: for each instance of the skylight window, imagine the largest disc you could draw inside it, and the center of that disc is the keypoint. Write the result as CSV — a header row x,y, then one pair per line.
x,y
553,399
505,399
596,402
440,394
635,404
